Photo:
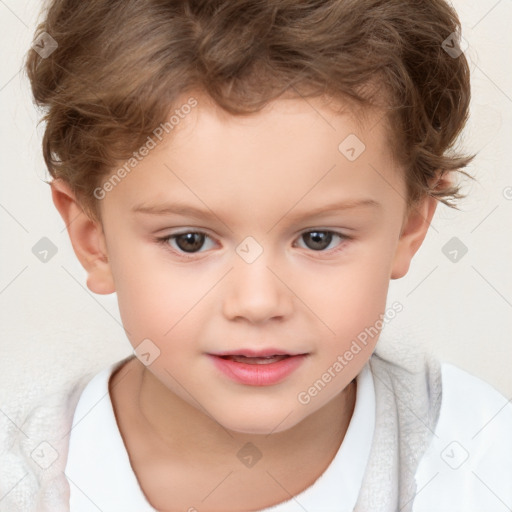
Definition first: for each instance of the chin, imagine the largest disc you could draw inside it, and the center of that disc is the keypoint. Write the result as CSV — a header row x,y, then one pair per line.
x,y
260,423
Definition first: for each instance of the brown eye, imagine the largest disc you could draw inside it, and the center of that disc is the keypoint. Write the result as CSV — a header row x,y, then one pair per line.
x,y
190,242
317,240
186,243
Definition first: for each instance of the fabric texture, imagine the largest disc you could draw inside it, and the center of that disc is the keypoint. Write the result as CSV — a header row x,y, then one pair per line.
x,y
408,397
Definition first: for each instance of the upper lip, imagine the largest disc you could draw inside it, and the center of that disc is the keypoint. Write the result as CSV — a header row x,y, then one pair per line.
x,y
256,353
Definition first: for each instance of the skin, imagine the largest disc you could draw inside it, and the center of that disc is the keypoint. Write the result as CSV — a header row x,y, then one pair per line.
x,y
183,421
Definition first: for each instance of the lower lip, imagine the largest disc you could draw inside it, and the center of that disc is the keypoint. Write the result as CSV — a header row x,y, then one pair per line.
x,y
258,374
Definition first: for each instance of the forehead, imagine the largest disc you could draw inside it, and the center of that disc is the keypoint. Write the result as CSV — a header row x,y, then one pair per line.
x,y
295,149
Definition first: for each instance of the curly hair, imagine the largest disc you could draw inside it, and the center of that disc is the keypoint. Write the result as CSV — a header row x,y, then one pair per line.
x,y
121,65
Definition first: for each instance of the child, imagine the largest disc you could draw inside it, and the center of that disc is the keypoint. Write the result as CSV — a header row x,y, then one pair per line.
x,y
256,129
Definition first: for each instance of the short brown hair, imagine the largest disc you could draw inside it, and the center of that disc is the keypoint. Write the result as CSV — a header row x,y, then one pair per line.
x,y
120,66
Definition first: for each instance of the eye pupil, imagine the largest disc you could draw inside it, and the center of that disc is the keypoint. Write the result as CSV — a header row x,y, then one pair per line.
x,y
319,239
193,241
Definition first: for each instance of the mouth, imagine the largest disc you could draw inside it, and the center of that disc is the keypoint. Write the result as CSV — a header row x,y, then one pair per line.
x,y
258,368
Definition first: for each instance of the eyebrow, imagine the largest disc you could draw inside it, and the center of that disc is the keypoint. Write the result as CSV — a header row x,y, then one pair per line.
x,y
199,213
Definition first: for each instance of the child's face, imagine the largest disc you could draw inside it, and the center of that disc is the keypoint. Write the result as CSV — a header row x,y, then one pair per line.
x,y
257,281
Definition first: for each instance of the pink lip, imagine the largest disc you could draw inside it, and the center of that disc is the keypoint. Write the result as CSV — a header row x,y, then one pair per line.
x,y
257,374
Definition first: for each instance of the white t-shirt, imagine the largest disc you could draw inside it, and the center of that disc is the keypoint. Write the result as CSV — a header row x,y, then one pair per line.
x,y
468,466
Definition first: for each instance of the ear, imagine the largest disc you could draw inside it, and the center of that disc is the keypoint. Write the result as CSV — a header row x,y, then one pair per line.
x,y
414,229
87,238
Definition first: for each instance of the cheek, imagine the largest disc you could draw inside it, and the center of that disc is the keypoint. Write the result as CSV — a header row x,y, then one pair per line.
x,y
356,315
348,301
156,299
350,294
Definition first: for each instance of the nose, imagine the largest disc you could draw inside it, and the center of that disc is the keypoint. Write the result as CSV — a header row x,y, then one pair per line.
x,y
256,292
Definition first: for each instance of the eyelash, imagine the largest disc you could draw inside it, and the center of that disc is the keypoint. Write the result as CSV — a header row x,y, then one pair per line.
x,y
164,241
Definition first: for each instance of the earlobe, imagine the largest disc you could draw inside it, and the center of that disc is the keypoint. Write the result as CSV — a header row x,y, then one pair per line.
x,y
87,238
414,230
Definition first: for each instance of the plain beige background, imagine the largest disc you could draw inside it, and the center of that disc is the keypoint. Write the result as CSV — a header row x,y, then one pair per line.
x,y
53,326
